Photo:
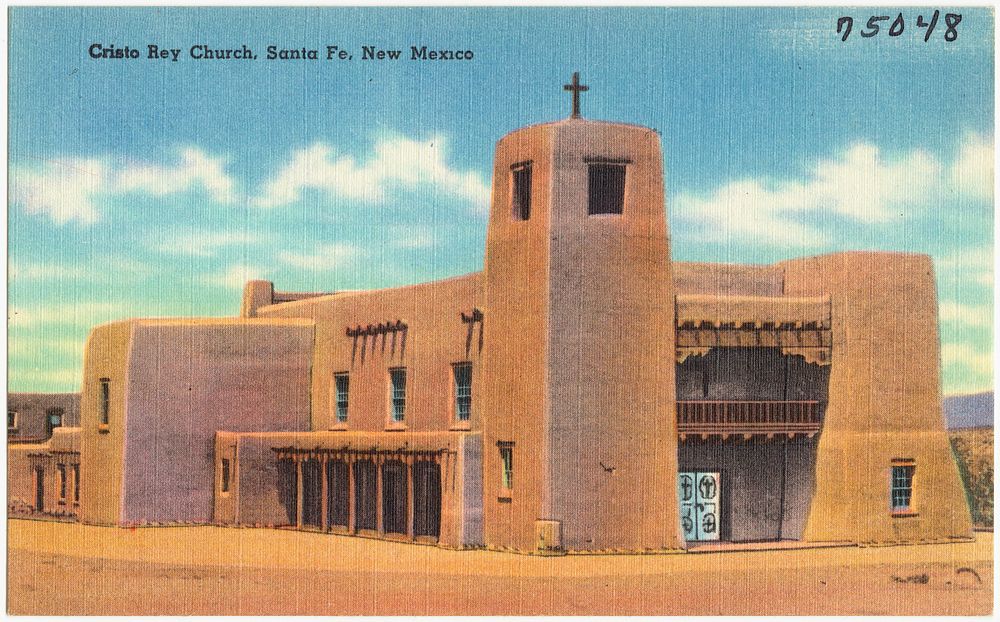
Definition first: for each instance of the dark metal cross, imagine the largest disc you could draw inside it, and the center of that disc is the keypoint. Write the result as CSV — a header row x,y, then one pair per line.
x,y
577,88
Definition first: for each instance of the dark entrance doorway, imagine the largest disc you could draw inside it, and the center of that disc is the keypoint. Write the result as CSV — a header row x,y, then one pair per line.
x,y
365,495
288,490
312,493
338,481
426,499
394,496
39,489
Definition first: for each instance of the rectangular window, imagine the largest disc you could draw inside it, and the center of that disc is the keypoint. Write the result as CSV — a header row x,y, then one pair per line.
x,y
463,391
55,418
225,475
62,482
606,185
398,393
11,420
105,400
902,487
506,465
76,483
342,385
521,191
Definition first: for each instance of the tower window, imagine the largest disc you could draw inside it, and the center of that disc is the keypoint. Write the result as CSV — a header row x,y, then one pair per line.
x,y
606,185
105,400
463,391
11,420
521,191
901,493
225,475
506,465
398,393
342,382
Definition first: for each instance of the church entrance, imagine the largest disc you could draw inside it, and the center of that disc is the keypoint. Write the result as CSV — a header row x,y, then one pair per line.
x,y
700,496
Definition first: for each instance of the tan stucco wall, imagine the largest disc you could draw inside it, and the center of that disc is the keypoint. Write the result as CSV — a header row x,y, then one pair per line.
x,y
254,497
22,459
884,400
435,339
580,337
105,356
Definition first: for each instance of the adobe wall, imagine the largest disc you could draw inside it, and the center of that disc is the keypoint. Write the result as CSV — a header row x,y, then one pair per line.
x,y
512,382
260,488
22,460
884,400
766,484
190,378
31,411
727,279
101,446
434,340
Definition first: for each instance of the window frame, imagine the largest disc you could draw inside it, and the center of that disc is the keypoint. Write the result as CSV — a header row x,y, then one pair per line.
x,y
506,449
461,400
901,480
520,171
340,417
609,164
105,402
397,396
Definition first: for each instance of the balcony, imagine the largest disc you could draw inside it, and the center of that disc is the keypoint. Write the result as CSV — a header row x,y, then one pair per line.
x,y
747,418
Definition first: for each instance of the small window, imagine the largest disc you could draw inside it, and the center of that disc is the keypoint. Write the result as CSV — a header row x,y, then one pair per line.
x,y
11,420
463,391
62,482
53,419
105,400
606,184
342,382
398,393
506,465
225,475
521,191
76,483
902,487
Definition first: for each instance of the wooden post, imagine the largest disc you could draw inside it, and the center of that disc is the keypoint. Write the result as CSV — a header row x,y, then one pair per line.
x,y
378,495
351,495
409,496
298,493
325,495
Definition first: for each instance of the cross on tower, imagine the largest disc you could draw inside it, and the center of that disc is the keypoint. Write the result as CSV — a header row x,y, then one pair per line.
x,y
577,88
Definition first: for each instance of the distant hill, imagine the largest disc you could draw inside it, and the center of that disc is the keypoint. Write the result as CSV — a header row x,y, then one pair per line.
x,y
969,411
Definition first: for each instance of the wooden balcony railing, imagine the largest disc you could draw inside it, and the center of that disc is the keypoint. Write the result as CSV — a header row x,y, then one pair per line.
x,y
747,417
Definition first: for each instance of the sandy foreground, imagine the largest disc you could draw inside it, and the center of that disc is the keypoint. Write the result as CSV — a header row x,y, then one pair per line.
x,y
67,568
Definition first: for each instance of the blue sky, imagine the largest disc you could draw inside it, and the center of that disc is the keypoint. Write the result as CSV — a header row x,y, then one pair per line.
x,y
155,188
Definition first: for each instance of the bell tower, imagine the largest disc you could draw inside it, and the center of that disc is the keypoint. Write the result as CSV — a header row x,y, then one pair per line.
x,y
576,389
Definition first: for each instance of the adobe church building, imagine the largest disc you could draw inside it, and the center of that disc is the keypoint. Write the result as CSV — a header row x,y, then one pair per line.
x,y
583,392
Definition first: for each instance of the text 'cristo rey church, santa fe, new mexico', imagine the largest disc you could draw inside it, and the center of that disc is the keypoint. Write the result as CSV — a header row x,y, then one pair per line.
x,y
583,392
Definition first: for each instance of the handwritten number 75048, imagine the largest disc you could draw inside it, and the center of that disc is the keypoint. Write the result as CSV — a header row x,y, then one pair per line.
x,y
898,26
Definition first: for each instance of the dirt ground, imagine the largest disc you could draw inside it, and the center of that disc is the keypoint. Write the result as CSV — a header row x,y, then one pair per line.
x,y
60,568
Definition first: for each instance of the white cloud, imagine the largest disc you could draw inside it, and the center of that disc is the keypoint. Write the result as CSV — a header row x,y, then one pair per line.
x,y
62,189
204,243
963,263
36,271
412,237
235,276
969,315
324,257
972,172
966,356
97,270
398,162
859,184
72,189
81,314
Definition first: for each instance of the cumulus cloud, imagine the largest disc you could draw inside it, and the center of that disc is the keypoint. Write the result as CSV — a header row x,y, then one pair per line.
x,y
972,173
964,355
75,189
398,162
969,315
235,276
861,184
204,243
62,189
975,264
323,257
